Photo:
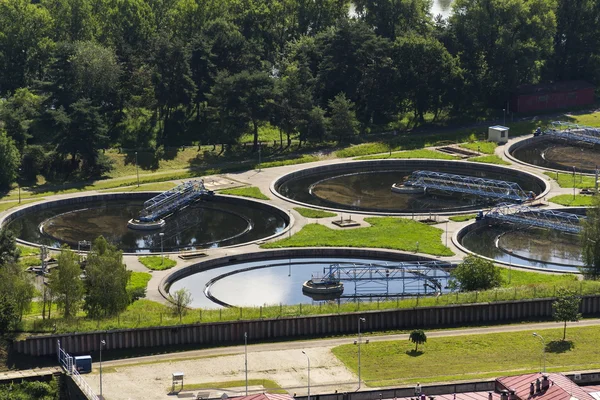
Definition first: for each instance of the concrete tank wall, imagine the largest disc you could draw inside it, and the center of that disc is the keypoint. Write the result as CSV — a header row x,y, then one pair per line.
x,y
228,333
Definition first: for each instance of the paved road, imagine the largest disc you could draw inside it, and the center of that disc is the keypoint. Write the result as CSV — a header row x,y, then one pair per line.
x,y
307,344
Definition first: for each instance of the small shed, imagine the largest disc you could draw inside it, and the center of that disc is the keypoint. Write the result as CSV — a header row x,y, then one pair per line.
x,y
83,364
498,134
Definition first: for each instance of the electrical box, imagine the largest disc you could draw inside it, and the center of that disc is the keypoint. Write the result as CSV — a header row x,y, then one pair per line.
x,y
83,364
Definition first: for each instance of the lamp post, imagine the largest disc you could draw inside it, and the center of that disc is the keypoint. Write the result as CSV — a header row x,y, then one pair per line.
x,y
102,344
360,320
246,358
510,252
259,169
537,335
446,233
162,252
308,359
504,112
573,182
137,171
19,185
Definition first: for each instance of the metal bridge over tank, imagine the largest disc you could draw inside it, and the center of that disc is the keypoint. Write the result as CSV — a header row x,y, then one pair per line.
x,y
487,188
172,200
573,132
527,216
373,280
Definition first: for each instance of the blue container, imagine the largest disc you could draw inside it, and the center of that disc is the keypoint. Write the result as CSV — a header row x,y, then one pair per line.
x,y
83,364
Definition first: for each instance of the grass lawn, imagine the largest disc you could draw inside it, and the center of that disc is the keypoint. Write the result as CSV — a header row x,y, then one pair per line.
x,y
149,187
493,159
423,153
462,218
568,200
28,251
138,280
527,278
481,146
157,263
384,232
269,385
10,204
567,180
249,191
468,357
364,149
310,213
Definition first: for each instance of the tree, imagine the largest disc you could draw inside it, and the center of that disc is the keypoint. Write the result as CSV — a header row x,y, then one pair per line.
x,y
9,159
590,241
106,281
9,252
566,307
315,126
180,300
417,337
17,286
475,273
8,314
65,282
342,122
395,17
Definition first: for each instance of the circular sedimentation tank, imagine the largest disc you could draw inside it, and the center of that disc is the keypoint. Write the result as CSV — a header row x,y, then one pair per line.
x,y
278,277
545,152
529,247
366,186
221,221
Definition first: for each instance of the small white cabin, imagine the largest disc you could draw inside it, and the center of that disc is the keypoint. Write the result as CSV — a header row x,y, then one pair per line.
x,y
498,134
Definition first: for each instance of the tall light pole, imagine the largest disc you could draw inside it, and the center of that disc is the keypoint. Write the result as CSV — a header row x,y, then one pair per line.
x,y
446,233
102,344
360,320
19,184
308,359
504,112
162,249
259,162
246,358
537,335
137,171
573,182
510,252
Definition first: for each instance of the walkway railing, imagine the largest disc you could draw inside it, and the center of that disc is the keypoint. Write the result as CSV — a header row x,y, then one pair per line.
x,y
573,132
527,216
66,362
172,200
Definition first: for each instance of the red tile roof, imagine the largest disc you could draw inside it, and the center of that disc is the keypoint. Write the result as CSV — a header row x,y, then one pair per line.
x,y
561,387
264,396
458,396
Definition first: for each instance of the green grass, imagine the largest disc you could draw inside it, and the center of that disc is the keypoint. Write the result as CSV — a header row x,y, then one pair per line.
x,y
249,191
481,146
138,280
568,181
10,204
290,161
364,149
157,263
472,356
579,200
422,153
28,251
493,159
462,218
514,277
386,232
310,213
269,385
149,187
590,119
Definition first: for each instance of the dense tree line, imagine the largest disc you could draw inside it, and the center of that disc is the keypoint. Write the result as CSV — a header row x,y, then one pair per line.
x,y
77,76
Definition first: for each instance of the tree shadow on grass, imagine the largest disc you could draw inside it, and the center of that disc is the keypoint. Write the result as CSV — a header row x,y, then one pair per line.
x,y
414,353
560,346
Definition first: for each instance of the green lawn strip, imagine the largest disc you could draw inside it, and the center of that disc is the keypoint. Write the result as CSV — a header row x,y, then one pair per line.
x,y
472,356
249,191
291,161
138,280
462,218
493,159
579,200
150,187
10,204
310,213
384,232
589,119
269,385
28,251
515,277
480,146
365,149
423,153
157,263
29,261
566,180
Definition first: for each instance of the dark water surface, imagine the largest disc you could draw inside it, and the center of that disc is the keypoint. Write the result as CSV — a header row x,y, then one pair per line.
x,y
559,155
201,225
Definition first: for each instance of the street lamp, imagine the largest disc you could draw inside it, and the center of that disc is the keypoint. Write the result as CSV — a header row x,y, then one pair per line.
x,y
246,358
573,182
102,344
537,335
259,169
162,252
308,359
446,233
504,112
137,171
359,322
19,185
510,252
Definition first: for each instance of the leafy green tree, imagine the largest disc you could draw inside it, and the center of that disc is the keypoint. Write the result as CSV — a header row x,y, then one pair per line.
x,y
72,20
566,308
590,241
18,287
180,301
10,159
475,273
342,120
395,17
418,337
9,252
65,282
18,113
106,281
315,126
8,314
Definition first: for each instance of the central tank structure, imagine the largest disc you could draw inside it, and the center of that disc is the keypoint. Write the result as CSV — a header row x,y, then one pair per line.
x,y
368,186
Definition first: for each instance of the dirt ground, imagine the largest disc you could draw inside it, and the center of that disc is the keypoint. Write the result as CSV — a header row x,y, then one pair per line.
x,y
289,368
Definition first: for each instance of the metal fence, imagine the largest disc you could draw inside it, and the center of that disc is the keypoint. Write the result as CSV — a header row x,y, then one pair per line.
x,y
66,362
